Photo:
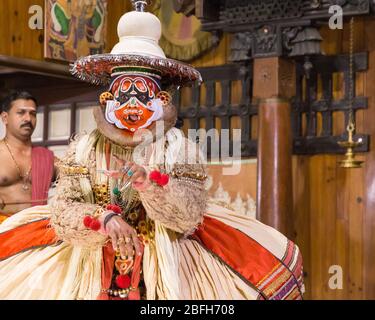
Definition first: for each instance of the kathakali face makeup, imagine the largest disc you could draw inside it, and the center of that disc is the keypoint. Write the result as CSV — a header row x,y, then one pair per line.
x,y
134,104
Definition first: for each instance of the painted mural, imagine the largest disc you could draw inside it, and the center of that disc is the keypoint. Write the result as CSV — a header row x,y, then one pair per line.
x,y
74,28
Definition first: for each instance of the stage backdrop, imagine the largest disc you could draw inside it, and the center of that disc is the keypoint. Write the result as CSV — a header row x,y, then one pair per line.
x,y
182,38
74,28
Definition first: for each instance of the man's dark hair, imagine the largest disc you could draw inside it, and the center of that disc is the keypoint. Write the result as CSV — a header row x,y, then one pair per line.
x,y
6,104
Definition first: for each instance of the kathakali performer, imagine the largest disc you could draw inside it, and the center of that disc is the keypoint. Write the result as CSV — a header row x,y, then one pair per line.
x,y
131,218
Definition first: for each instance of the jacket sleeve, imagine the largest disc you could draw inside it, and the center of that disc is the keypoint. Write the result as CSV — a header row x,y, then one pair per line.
x,y
70,206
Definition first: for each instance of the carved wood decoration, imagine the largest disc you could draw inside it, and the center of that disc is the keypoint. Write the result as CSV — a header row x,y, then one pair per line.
x,y
306,138
306,104
288,28
224,76
268,27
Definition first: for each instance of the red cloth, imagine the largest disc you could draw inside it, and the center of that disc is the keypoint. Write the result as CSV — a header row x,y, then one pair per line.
x,y
249,259
107,270
42,164
243,254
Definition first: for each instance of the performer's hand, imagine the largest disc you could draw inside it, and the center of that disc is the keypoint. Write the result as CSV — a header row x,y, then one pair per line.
x,y
124,238
134,173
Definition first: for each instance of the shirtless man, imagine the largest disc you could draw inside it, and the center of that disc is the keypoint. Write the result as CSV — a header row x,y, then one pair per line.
x,y
16,153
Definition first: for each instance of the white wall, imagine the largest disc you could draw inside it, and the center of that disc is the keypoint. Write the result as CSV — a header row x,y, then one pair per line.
x,y
2,130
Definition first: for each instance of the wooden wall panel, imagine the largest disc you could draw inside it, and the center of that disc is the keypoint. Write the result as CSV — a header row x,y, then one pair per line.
x,y
18,40
322,222
301,211
340,211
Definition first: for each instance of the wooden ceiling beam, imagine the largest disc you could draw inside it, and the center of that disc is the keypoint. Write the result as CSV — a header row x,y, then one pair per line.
x,y
45,68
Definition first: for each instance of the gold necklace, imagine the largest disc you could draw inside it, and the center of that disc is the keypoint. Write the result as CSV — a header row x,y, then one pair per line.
x,y
26,177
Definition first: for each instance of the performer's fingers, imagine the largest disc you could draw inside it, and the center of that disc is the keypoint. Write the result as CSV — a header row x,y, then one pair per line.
x,y
130,250
137,244
123,247
127,167
127,234
139,175
126,244
114,239
131,169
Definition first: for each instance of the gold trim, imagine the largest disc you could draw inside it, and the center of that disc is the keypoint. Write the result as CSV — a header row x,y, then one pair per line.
x,y
185,173
74,170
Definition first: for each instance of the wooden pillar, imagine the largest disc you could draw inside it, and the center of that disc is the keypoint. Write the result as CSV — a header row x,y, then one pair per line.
x,y
369,167
274,83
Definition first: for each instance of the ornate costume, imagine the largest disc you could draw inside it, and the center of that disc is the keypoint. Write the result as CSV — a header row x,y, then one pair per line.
x,y
192,248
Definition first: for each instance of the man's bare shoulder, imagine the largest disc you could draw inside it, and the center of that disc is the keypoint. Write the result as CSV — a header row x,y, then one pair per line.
x,y
3,150
7,174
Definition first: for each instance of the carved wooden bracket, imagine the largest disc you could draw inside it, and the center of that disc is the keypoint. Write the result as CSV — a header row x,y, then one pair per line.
x,y
270,27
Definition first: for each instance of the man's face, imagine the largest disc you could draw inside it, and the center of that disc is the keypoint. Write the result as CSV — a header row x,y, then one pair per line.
x,y
20,120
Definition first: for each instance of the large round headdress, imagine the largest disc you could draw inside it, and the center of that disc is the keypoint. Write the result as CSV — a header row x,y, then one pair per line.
x,y
138,73
139,33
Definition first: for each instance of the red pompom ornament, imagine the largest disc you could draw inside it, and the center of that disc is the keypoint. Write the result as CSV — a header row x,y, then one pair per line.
x,y
160,179
91,223
95,225
163,181
114,208
87,221
155,176
123,281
